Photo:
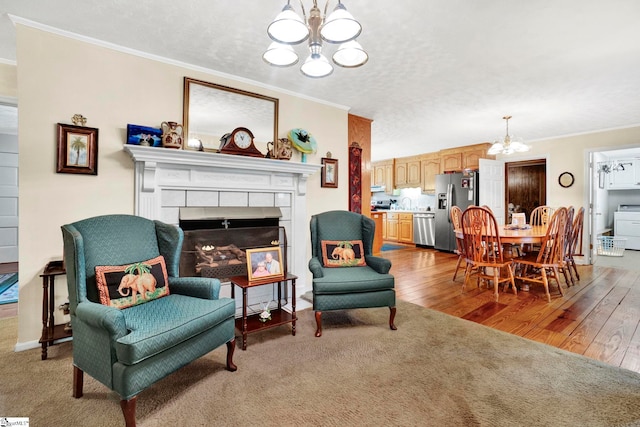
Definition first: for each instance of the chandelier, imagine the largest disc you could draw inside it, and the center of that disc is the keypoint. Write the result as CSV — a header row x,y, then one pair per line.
x,y
339,27
509,144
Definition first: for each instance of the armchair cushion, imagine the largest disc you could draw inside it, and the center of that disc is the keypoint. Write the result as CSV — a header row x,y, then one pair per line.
x,y
343,253
161,324
123,286
351,280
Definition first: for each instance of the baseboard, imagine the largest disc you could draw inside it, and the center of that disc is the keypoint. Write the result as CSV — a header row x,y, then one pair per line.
x,y
30,345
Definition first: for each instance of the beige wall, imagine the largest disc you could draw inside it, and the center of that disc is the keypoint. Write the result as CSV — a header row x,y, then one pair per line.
x,y
8,81
59,77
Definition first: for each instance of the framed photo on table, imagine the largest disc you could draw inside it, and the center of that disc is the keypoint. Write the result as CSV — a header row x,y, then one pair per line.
x,y
77,150
329,177
265,263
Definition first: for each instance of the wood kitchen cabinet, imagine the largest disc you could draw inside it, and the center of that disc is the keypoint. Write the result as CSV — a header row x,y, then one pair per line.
x,y
430,166
408,172
384,226
383,174
400,173
392,226
472,154
451,160
405,227
378,219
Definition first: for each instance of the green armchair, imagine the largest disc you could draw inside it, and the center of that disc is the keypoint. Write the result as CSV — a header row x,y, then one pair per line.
x,y
340,288
129,349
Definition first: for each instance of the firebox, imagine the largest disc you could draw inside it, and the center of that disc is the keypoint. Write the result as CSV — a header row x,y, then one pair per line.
x,y
216,239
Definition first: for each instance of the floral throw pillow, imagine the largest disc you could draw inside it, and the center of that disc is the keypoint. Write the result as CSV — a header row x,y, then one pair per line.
x,y
343,253
123,286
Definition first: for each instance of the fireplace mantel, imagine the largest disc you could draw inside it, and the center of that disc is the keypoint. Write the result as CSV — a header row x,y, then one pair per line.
x,y
148,159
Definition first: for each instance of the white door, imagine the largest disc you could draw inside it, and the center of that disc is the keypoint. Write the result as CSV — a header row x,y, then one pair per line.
x,y
8,198
492,187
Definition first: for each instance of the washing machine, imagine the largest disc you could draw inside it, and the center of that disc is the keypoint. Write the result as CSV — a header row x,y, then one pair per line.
x,y
627,224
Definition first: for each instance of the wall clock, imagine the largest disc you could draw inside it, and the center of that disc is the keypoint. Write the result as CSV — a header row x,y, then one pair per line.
x,y
240,142
566,179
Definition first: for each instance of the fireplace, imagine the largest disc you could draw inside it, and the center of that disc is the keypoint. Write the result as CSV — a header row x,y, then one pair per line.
x,y
166,181
216,239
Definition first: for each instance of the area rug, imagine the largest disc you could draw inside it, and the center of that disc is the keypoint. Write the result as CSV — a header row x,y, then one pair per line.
x,y
8,288
435,370
391,247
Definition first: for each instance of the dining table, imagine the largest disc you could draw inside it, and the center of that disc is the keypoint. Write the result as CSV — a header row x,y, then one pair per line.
x,y
516,236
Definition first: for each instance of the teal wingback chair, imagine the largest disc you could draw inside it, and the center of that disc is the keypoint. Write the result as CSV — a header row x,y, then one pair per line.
x,y
340,288
129,349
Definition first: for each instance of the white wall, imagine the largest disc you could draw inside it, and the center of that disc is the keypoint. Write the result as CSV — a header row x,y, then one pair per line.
x,y
59,77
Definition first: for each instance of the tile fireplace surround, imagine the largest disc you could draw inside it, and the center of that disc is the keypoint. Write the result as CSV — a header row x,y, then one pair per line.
x,y
168,179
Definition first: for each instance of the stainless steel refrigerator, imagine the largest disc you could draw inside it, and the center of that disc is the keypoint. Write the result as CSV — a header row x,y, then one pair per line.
x,y
452,189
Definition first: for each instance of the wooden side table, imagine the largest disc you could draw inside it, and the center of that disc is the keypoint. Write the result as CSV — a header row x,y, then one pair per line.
x,y
248,324
50,331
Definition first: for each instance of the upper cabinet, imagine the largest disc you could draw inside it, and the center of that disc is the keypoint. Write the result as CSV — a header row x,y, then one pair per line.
x,y
451,160
408,172
430,167
383,174
625,176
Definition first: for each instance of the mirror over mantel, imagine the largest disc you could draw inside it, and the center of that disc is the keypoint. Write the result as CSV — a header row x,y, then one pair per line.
x,y
210,111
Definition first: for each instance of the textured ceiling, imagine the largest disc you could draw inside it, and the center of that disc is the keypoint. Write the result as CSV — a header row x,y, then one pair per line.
x,y
440,74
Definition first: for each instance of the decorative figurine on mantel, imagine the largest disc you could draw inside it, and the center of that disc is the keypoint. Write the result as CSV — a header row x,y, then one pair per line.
x,y
303,141
171,135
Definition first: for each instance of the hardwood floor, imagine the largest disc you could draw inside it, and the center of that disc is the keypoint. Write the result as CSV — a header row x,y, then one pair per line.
x,y
598,317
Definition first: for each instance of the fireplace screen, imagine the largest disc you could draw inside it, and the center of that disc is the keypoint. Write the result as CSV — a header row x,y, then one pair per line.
x,y
221,253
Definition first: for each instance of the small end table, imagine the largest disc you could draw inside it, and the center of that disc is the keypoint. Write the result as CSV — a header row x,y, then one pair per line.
x,y
50,331
248,324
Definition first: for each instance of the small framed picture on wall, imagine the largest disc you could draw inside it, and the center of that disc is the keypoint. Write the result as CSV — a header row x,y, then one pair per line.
x,y
77,149
329,177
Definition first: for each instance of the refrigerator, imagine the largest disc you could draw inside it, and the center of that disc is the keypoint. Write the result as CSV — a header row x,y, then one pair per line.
x,y
452,189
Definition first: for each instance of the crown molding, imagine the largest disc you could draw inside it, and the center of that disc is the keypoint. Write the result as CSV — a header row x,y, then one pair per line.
x,y
97,42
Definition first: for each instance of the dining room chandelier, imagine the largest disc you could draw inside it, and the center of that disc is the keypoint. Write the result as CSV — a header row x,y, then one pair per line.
x,y
339,27
509,144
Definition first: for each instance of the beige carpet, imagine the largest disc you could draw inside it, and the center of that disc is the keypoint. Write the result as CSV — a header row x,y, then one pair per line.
x,y
434,370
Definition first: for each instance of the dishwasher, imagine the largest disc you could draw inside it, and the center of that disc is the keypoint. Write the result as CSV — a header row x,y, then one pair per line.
x,y
424,228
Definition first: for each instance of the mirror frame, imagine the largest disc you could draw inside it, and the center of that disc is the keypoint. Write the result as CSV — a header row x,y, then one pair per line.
x,y
188,81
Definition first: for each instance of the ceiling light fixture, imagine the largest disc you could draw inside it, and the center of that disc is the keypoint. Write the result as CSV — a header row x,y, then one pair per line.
x,y
509,144
339,27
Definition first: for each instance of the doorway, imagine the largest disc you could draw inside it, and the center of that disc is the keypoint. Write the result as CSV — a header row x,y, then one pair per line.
x,y
9,180
525,186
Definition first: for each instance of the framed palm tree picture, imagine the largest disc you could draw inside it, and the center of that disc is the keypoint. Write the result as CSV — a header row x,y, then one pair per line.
x,y
77,149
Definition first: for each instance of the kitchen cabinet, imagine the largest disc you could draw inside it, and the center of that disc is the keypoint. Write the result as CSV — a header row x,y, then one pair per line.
x,y
472,154
383,174
405,227
451,160
378,219
408,172
384,226
624,179
430,166
392,226
400,173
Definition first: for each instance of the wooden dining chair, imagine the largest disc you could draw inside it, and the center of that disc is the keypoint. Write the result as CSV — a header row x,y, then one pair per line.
x,y
568,230
539,216
483,249
575,243
456,215
538,267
